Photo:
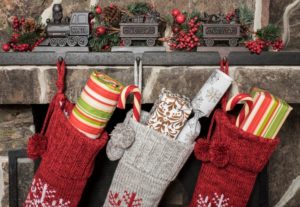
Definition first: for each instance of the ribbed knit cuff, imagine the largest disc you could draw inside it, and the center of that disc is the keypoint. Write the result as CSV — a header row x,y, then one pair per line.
x,y
155,154
147,167
70,154
247,151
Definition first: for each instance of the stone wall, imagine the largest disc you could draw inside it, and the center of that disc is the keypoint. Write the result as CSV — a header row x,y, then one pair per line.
x,y
36,85
35,8
16,125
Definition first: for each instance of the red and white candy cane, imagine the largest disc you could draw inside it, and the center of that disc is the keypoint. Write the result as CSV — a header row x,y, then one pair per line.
x,y
137,99
240,98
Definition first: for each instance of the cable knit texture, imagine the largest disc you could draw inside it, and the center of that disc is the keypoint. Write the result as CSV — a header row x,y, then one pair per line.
x,y
231,159
147,167
67,158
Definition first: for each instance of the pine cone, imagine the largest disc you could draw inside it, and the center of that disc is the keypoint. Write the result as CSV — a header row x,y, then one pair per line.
x,y
29,25
112,14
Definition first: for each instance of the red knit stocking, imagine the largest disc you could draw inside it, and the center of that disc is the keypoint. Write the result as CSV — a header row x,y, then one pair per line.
x,y
67,156
231,159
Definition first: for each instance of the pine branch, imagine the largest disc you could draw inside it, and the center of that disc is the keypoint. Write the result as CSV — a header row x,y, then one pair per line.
x,y
246,15
269,33
29,38
138,8
195,14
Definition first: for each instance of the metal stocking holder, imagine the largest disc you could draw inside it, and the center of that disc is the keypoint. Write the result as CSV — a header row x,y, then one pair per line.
x,y
138,63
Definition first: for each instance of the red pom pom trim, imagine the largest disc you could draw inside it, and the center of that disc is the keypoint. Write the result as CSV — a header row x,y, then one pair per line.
x,y
215,152
219,154
201,150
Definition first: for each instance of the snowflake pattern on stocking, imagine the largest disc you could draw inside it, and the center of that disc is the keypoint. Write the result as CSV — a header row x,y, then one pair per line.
x,y
216,201
41,195
126,200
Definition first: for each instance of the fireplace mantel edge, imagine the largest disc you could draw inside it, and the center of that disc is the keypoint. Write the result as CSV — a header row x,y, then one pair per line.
x,y
151,58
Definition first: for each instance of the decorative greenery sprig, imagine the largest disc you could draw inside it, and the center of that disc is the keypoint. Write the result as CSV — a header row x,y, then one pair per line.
x,y
269,33
246,15
139,8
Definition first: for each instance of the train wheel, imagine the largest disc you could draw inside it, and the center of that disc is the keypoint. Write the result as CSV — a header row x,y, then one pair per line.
x,y
127,41
62,42
71,41
53,42
150,42
83,41
233,42
209,42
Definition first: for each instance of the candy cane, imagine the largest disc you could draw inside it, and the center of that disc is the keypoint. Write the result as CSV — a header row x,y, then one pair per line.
x,y
240,98
136,100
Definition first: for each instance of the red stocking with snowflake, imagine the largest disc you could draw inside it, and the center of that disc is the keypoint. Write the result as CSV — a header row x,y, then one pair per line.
x,y
232,158
67,156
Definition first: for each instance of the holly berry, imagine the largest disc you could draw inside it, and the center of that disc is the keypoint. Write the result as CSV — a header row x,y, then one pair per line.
x,y
175,29
98,10
277,45
100,30
256,46
230,16
14,37
180,18
186,40
121,43
15,23
22,21
6,47
175,12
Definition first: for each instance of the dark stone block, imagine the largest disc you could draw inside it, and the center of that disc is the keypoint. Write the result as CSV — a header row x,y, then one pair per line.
x,y
19,86
25,176
285,162
16,126
282,82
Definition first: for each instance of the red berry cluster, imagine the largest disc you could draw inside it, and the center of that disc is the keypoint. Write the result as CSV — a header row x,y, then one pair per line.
x,y
277,45
230,16
258,45
255,46
186,40
14,44
21,47
14,38
17,23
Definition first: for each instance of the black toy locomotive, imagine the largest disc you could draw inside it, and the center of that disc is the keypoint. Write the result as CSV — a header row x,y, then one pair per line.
x,y
72,32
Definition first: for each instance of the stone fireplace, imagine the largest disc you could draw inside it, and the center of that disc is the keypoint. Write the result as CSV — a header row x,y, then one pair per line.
x,y
28,84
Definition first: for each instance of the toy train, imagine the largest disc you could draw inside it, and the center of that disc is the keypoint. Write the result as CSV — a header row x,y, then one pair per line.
x,y
140,28
217,28
72,32
221,32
